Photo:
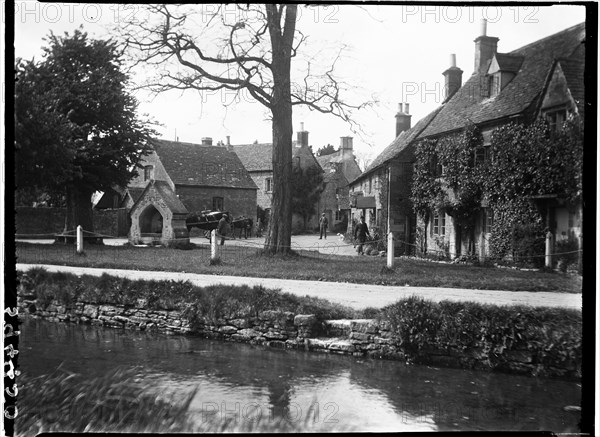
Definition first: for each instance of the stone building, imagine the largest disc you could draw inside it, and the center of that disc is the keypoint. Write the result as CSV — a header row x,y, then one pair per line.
x,y
257,158
543,79
386,184
339,168
179,178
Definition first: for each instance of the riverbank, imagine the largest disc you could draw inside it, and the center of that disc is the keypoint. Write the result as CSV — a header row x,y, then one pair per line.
x,y
518,339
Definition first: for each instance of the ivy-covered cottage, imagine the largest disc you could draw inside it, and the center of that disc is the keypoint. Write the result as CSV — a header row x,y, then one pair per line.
x,y
257,158
339,168
179,178
497,170
387,181
494,171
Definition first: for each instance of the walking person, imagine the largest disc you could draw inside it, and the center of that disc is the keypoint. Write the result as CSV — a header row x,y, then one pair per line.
x,y
222,228
323,222
360,234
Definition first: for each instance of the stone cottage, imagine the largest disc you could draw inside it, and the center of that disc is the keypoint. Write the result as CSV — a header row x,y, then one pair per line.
x,y
339,168
179,178
257,158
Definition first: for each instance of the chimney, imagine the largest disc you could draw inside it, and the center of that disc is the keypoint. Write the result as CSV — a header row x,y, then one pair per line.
x,y
207,141
228,140
302,137
485,48
402,119
453,77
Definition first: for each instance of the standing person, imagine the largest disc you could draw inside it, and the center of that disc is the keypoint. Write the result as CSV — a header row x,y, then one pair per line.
x,y
222,228
323,222
360,233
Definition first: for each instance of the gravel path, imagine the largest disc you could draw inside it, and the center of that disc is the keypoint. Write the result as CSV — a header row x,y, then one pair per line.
x,y
357,296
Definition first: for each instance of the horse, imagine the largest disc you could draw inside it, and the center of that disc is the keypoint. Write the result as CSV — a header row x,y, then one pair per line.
x,y
205,220
243,224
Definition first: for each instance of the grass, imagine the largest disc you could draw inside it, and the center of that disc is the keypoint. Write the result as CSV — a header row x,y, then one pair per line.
x,y
244,261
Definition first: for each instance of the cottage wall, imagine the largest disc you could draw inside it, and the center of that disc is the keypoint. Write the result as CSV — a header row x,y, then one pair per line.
x,y
237,201
263,198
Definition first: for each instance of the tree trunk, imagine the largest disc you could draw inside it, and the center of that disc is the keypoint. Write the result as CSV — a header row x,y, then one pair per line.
x,y
79,210
279,237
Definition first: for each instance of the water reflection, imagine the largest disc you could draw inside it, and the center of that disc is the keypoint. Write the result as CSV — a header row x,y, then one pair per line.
x,y
243,382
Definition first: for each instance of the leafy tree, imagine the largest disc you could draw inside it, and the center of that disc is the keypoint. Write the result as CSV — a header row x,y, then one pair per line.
x,y
326,150
201,48
307,186
76,128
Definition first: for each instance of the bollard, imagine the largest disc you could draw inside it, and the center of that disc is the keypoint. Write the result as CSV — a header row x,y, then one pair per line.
x,y
214,256
549,249
390,251
79,239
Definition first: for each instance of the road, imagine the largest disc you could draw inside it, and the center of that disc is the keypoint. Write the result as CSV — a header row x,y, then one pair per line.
x,y
357,296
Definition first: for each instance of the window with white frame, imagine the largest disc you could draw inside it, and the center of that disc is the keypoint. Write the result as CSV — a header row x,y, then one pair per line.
x,y
439,224
269,185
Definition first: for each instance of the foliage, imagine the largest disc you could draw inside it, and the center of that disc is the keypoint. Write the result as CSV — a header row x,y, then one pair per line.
x,y
76,123
326,150
198,304
550,335
306,188
526,160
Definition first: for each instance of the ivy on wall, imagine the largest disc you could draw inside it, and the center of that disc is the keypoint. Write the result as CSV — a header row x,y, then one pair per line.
x,y
524,161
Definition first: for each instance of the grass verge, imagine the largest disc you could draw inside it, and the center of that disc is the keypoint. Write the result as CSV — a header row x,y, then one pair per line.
x,y
245,261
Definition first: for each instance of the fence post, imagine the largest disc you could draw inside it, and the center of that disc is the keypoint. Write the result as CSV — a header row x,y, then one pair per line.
x,y
214,256
79,239
549,249
390,250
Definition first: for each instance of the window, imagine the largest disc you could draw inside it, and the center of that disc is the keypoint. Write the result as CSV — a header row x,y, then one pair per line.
x,y
482,154
377,183
217,204
338,215
148,172
370,184
269,185
488,220
494,85
435,167
439,223
556,119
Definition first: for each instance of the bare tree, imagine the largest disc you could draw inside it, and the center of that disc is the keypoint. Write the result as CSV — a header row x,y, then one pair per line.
x,y
199,47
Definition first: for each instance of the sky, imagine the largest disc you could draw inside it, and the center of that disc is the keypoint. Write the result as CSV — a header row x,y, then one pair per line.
x,y
394,54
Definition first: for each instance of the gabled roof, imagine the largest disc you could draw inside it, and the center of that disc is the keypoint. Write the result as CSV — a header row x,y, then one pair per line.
x,y
167,194
259,156
508,62
351,171
574,70
399,146
469,105
255,157
196,164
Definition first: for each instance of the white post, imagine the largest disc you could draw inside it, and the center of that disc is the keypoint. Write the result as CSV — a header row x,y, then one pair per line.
x,y
213,246
549,249
79,239
390,250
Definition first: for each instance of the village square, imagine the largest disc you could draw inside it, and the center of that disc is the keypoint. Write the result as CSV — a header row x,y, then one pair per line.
x,y
299,281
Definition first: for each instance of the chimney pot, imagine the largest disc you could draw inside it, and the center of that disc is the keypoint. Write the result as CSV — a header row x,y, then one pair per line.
x,y
400,108
207,141
301,126
453,60
483,27
406,108
228,140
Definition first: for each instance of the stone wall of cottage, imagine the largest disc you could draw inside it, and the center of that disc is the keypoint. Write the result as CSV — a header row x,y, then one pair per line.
x,y
264,198
236,201
284,330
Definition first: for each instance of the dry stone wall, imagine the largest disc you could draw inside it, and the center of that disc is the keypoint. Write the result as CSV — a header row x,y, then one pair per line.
x,y
286,330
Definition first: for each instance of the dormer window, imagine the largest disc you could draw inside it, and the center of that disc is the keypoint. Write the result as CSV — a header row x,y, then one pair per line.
x,y
502,70
555,119
148,172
